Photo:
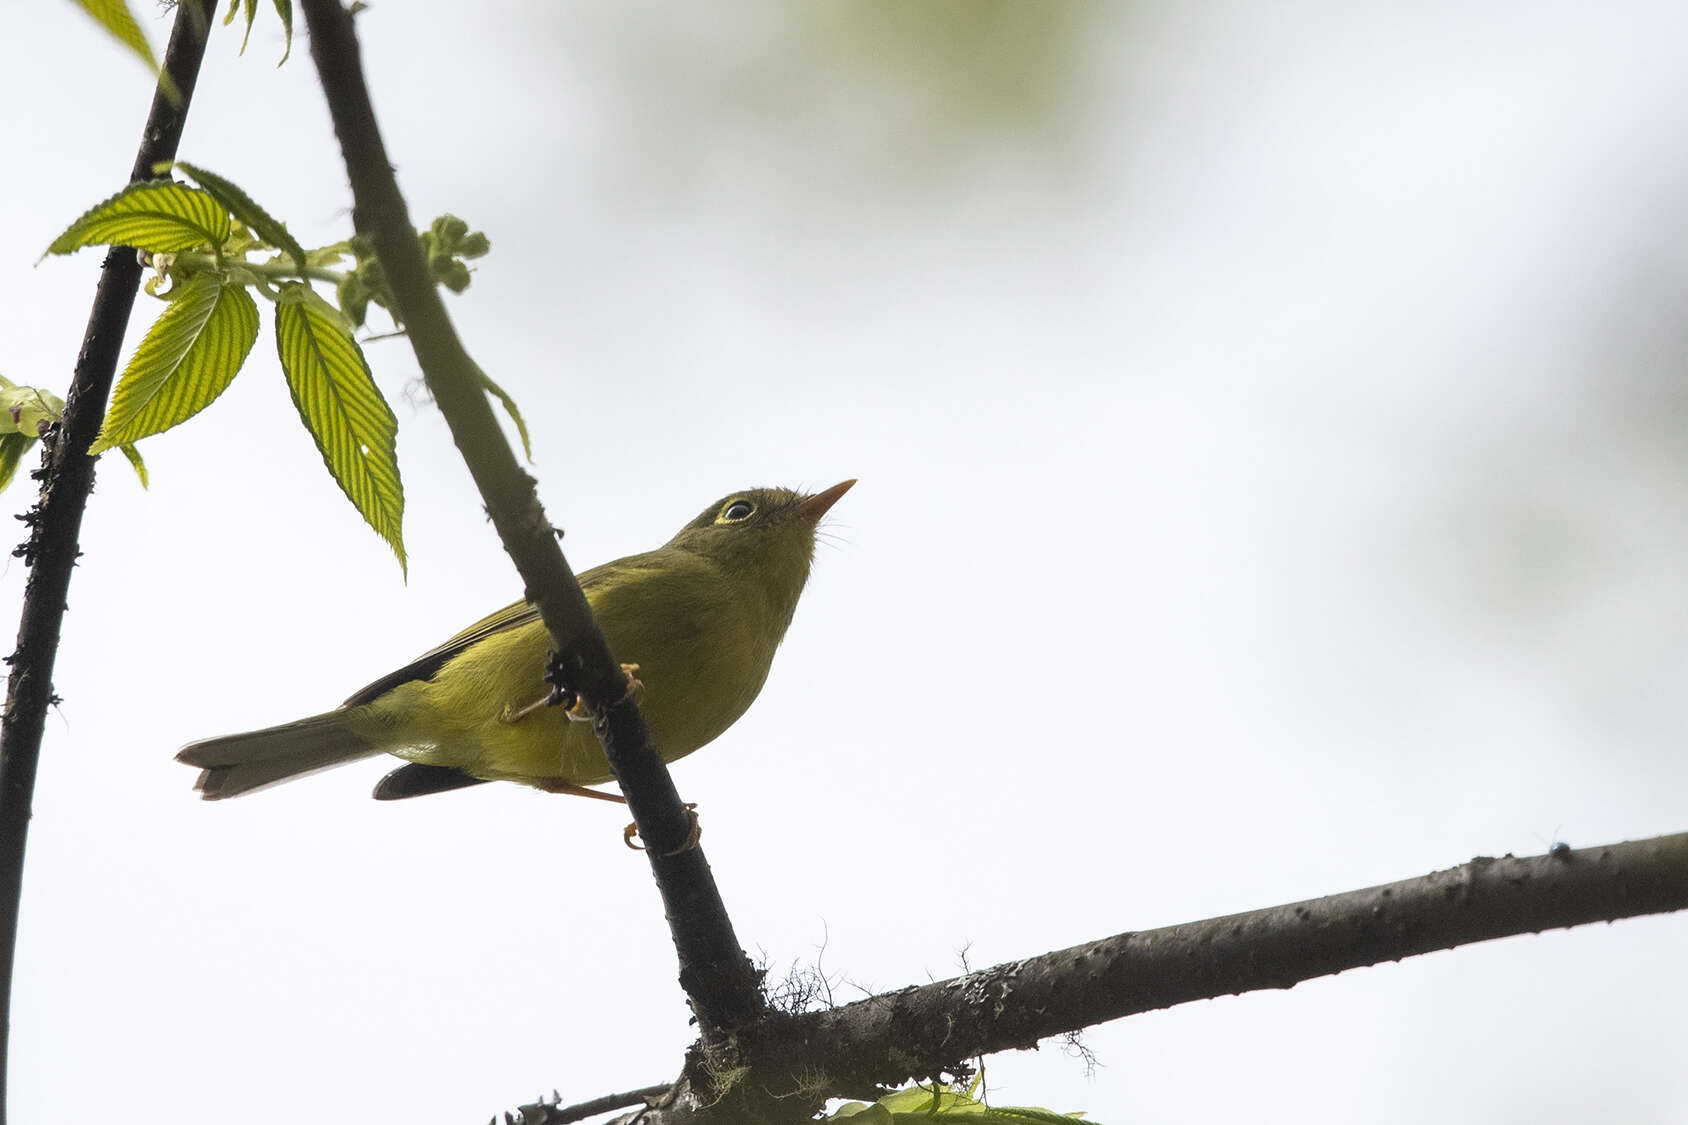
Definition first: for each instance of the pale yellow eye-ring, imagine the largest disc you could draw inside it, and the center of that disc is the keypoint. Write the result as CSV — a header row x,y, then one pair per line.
x,y
737,511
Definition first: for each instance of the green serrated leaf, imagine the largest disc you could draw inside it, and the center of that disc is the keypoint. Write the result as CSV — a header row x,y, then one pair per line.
x,y
188,357
13,446
186,360
246,209
155,215
284,9
341,406
251,17
915,1099
135,462
1015,1114
509,405
115,17
916,1105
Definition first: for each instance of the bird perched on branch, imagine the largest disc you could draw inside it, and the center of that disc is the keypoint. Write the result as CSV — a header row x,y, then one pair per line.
x,y
698,619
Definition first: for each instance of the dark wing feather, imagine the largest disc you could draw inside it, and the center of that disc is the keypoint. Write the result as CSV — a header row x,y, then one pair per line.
x,y
424,666
512,616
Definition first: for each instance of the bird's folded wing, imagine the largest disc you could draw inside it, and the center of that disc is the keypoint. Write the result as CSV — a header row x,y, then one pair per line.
x,y
513,616
424,666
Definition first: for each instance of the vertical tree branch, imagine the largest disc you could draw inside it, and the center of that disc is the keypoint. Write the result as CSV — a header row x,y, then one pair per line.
x,y
55,522
718,978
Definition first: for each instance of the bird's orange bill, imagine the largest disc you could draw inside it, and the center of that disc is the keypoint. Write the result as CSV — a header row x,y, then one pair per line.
x,y
816,506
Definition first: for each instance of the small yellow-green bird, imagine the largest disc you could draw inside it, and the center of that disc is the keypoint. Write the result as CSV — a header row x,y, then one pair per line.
x,y
698,618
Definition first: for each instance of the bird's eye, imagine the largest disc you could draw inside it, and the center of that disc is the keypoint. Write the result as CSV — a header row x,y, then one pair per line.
x,y
736,511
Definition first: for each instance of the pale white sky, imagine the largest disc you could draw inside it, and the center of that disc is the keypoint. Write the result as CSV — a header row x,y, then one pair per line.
x,y
1269,423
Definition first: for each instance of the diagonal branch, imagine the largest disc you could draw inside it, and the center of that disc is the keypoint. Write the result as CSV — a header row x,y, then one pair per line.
x,y
796,1062
716,975
67,476
1017,1004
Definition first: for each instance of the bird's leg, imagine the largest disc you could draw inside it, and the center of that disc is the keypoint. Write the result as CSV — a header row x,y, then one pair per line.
x,y
564,696
514,714
631,832
560,695
693,834
628,834
569,788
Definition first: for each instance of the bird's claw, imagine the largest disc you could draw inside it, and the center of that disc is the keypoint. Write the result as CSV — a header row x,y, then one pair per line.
x,y
578,712
693,834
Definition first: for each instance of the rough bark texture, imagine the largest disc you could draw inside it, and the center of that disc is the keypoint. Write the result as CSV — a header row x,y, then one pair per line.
x,y
795,1062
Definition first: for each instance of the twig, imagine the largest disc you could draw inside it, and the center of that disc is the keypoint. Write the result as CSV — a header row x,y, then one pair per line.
x,y
541,1113
67,476
714,971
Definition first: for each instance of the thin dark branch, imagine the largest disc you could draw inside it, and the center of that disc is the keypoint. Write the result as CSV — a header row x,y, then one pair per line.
x,y
67,477
542,1113
714,971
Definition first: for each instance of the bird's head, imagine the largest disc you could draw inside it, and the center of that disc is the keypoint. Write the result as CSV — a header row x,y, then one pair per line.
x,y
763,540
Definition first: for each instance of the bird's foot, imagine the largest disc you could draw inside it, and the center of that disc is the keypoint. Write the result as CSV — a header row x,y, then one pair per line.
x,y
580,713
567,698
693,834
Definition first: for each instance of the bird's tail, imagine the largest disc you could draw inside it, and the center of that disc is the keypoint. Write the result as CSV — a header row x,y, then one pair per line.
x,y
240,763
